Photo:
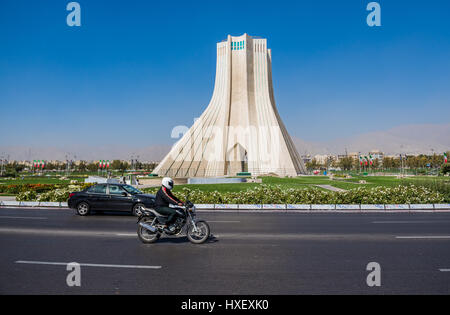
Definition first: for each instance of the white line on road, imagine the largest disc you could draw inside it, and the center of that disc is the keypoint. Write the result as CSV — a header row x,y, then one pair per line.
x,y
408,222
31,218
86,265
444,270
425,237
126,234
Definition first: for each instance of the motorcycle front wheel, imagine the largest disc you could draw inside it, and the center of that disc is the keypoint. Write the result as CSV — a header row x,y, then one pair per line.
x,y
201,235
146,236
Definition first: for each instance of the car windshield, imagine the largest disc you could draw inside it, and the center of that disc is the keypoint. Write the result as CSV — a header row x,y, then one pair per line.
x,y
132,190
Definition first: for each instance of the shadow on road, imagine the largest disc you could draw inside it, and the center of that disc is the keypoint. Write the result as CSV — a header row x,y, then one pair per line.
x,y
184,239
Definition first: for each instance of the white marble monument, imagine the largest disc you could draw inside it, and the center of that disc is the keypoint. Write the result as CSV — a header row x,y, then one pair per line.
x,y
240,130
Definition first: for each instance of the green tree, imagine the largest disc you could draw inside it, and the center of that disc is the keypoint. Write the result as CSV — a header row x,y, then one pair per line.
x,y
81,167
116,165
376,163
445,169
92,167
346,163
313,165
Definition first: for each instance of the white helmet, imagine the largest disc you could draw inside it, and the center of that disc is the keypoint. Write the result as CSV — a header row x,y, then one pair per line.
x,y
167,182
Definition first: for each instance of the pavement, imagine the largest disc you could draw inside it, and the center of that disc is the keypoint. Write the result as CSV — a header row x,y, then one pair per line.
x,y
7,198
329,187
258,254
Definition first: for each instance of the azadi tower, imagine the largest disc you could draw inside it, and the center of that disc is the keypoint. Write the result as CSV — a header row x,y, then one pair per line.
x,y
240,130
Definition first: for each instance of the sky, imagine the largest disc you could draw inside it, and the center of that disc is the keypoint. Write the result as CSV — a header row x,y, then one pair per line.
x,y
136,69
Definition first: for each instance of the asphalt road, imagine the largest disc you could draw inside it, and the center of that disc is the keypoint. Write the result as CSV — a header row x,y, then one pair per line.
x,y
250,254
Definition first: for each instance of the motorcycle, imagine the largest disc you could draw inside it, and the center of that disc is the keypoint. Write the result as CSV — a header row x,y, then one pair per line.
x,y
151,225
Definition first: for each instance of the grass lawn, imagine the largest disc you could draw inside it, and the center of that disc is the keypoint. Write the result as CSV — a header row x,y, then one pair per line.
x,y
312,181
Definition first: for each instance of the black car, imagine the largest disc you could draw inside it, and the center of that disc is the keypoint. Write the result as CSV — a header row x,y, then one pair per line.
x,y
110,197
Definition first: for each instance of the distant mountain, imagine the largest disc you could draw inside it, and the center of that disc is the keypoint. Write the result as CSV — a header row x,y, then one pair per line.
x,y
410,139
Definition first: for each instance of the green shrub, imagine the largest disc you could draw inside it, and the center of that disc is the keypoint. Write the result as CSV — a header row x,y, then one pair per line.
x,y
274,194
60,194
440,186
27,196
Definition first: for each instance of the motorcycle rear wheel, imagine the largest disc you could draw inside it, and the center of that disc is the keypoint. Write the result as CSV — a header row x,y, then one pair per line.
x,y
202,234
146,236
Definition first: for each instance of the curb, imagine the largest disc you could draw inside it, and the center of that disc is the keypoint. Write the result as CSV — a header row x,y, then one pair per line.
x,y
273,208
33,204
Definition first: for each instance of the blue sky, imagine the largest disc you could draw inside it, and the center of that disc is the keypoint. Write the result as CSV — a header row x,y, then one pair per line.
x,y
147,66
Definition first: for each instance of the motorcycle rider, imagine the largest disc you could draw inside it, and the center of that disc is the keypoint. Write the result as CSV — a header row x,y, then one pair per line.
x,y
164,198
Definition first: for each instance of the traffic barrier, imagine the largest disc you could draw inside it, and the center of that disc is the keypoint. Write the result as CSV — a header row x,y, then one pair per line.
x,y
49,204
274,206
397,207
249,207
29,204
11,203
323,207
204,206
427,207
297,207
442,206
268,207
367,207
225,206
348,207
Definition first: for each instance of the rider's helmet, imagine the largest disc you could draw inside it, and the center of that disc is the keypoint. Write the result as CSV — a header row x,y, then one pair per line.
x,y
167,182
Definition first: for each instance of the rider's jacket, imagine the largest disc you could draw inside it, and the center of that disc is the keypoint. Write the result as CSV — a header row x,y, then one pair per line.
x,y
164,197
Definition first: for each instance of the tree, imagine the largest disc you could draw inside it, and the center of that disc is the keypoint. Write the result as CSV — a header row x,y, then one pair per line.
x,y
445,169
116,165
82,167
376,163
92,167
346,163
313,165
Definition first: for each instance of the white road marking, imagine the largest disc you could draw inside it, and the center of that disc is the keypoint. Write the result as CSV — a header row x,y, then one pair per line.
x,y
87,265
444,270
126,234
425,237
407,222
57,232
31,218
223,221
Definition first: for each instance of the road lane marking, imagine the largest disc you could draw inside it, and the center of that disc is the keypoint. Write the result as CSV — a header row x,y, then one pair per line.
x,y
408,222
425,237
444,270
86,265
56,232
251,236
31,218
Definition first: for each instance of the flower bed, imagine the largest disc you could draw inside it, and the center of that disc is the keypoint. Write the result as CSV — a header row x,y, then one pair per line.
x,y
269,194
56,193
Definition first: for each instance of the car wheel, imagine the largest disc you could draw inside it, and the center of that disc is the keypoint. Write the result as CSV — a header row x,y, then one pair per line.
x,y
83,209
137,209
